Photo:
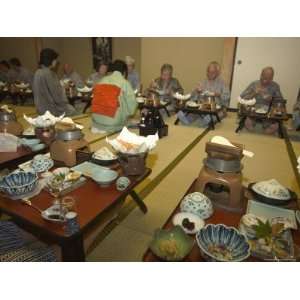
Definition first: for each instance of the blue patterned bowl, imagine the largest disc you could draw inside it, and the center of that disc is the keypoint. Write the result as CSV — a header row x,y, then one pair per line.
x,y
20,183
198,204
41,163
221,243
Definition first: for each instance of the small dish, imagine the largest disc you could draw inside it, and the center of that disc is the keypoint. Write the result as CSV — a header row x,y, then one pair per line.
x,y
53,214
192,104
189,222
171,245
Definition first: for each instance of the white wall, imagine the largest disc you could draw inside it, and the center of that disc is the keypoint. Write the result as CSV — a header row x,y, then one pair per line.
x,y
255,53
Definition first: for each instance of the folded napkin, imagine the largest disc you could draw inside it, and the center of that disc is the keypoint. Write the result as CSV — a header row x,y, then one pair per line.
x,y
45,120
128,142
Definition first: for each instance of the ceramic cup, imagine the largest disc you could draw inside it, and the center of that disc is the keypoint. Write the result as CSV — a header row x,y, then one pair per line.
x,y
122,183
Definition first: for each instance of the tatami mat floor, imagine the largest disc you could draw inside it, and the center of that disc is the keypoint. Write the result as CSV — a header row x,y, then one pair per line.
x,y
175,163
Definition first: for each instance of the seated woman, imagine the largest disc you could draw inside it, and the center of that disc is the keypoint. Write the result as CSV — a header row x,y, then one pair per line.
x,y
215,86
101,70
166,85
263,90
48,92
133,76
114,100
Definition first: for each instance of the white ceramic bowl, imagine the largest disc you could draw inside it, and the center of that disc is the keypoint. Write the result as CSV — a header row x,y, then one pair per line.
x,y
198,222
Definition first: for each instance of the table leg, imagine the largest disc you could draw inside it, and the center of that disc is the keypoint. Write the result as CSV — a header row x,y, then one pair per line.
x,y
280,129
241,124
73,250
176,121
218,118
88,104
167,112
212,123
138,201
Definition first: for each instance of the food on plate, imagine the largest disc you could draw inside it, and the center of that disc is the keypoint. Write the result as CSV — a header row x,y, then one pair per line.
x,y
128,146
104,154
221,252
169,248
187,224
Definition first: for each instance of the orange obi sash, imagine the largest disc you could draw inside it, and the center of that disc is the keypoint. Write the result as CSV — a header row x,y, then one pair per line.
x,y
106,99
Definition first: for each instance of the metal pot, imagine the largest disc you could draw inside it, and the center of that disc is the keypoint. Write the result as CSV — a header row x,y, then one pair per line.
x,y
69,135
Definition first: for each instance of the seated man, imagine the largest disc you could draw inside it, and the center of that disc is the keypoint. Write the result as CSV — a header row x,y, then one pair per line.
x,y
4,68
48,92
263,90
18,73
101,71
71,74
133,76
114,100
216,87
166,84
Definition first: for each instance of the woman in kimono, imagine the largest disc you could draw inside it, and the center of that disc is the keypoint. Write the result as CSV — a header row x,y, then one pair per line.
x,y
48,92
113,101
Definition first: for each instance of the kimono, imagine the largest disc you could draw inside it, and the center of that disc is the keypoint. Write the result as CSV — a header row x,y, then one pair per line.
x,y
126,101
75,78
49,94
133,78
272,90
215,86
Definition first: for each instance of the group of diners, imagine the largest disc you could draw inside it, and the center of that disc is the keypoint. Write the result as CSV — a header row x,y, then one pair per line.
x,y
115,85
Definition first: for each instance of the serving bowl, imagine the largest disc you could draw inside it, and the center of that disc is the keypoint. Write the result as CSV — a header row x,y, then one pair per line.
x,y
171,245
217,242
198,204
18,183
104,177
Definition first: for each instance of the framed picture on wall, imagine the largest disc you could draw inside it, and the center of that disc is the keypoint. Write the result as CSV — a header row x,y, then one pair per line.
x,y
102,49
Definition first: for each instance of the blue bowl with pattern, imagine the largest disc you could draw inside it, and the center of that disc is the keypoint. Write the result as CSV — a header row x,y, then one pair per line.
x,y
20,183
218,242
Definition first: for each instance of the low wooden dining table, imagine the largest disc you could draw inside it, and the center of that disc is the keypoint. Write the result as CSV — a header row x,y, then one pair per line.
x,y
219,216
92,202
